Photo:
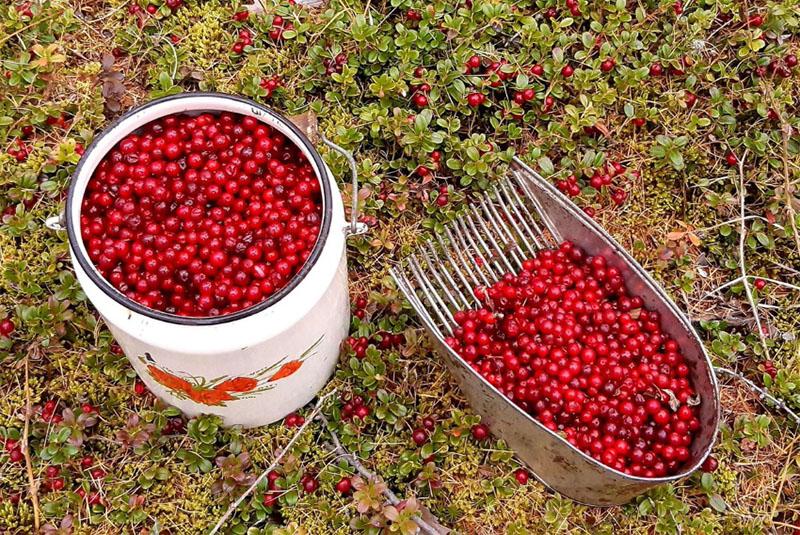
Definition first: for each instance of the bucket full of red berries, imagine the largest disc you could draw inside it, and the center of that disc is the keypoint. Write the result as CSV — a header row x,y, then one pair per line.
x,y
564,344
210,235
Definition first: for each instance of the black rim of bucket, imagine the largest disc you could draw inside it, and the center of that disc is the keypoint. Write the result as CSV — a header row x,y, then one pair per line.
x,y
124,300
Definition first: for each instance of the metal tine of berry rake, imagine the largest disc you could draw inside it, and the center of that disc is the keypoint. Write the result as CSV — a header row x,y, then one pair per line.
x,y
405,285
439,272
517,172
510,243
484,260
462,248
457,267
433,298
495,235
464,302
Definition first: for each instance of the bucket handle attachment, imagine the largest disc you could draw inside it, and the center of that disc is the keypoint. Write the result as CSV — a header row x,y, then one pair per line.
x,y
355,227
56,222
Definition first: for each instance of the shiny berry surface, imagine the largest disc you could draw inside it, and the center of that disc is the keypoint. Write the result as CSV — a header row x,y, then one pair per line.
x,y
201,215
565,341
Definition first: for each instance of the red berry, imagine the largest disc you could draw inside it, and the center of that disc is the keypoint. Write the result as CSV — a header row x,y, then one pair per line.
x,y
656,69
344,486
420,100
6,327
420,437
475,99
710,464
413,15
731,159
87,462
607,65
310,485
474,62
567,71
521,475
759,284
755,21
52,471
16,456
480,432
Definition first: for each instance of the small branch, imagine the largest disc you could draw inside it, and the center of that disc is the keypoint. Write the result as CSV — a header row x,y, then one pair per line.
x,y
742,265
762,394
32,486
339,450
739,279
786,130
235,505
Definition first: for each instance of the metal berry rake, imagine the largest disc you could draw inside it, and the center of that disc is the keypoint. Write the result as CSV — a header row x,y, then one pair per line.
x,y
520,215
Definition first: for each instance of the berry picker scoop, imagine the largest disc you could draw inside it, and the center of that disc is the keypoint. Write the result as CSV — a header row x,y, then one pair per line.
x,y
251,365
519,218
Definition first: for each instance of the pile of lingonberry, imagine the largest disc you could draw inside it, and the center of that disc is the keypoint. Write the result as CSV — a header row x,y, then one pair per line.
x,y
201,216
565,341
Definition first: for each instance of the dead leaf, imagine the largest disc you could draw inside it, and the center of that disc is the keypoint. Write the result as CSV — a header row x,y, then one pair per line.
x,y
602,128
694,239
432,521
675,236
674,404
307,123
113,89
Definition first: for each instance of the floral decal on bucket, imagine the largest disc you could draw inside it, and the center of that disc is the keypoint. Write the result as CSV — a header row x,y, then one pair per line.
x,y
219,390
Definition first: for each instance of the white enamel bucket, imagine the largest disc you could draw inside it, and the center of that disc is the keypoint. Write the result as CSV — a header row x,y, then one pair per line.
x,y
252,367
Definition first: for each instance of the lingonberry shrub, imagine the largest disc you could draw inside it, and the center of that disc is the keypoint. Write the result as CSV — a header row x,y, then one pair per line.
x,y
201,216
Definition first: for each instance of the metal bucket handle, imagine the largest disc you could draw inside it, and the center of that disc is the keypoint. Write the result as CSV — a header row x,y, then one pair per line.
x,y
355,227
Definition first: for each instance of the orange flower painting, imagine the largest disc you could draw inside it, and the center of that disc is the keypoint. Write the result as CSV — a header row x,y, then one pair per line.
x,y
218,391
286,370
238,384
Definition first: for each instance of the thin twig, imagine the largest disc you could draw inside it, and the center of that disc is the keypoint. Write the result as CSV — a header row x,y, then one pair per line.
x,y
739,279
339,450
786,131
235,505
32,486
742,265
762,394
